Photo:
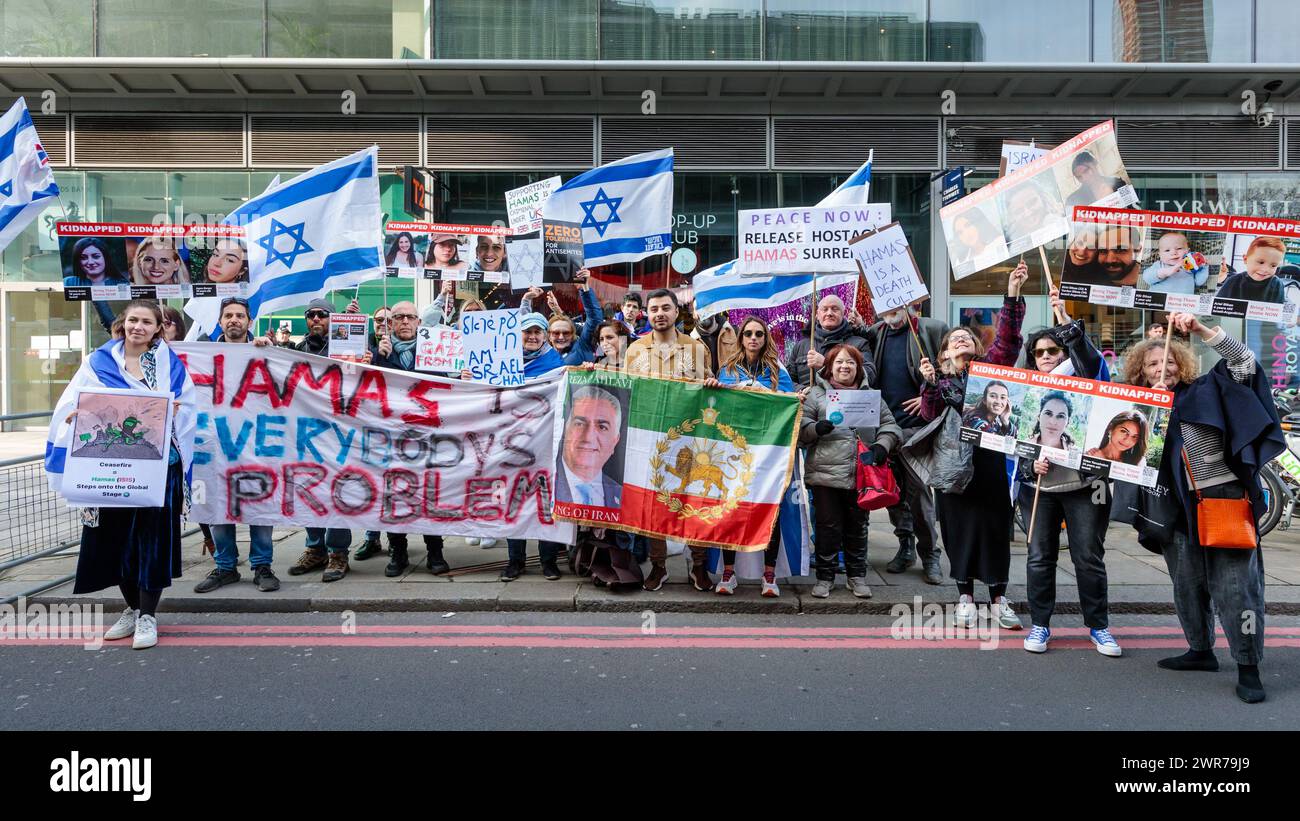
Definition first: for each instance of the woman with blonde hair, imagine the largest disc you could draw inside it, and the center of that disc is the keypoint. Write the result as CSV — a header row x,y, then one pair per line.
x,y
1222,430
158,262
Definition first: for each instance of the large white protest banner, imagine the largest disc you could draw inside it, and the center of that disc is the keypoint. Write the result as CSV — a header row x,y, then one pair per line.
x,y
286,438
1020,212
886,262
803,239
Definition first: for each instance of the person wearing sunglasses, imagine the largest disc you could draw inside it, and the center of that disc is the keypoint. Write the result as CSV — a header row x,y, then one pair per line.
x,y
1064,495
326,547
756,366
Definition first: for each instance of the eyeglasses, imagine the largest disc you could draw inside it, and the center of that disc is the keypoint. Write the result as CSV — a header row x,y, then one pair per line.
x,y
168,323
317,315
404,318
754,334
1052,351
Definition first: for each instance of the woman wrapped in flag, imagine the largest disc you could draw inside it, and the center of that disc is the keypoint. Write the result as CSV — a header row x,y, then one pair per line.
x,y
138,549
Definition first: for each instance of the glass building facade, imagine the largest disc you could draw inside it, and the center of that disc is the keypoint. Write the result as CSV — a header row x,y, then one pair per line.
x,y
1049,31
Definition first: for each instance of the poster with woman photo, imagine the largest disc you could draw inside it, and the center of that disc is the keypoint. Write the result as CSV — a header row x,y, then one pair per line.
x,y
1207,264
1032,206
218,265
457,253
1101,428
114,261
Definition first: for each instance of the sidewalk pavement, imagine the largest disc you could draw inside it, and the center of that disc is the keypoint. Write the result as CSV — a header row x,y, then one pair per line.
x,y
1139,583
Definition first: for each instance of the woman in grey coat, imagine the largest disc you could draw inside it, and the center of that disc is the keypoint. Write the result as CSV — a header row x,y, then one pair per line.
x,y
831,471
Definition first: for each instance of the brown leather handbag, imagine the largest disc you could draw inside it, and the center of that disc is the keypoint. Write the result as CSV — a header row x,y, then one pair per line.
x,y
1223,522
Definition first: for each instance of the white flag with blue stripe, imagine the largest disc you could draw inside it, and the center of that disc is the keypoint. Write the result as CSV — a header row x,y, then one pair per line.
x,y
722,288
26,180
319,231
625,208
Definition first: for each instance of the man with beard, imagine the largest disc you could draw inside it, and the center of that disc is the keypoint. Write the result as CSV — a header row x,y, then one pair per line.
x,y
897,362
1117,251
830,329
321,541
235,323
398,352
667,352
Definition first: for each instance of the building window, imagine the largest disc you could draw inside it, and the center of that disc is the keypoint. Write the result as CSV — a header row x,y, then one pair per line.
x,y
671,30
383,29
884,30
180,28
46,28
515,29
1052,31
1276,22
1172,31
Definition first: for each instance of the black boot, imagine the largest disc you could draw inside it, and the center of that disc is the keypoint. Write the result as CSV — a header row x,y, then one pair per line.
x,y
1192,660
436,564
905,557
371,547
1249,688
932,567
399,561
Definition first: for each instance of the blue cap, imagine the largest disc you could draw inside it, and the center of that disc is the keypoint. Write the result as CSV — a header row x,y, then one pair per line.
x,y
534,320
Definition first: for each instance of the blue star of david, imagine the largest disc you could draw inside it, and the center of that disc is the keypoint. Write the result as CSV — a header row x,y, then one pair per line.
x,y
7,189
294,232
588,208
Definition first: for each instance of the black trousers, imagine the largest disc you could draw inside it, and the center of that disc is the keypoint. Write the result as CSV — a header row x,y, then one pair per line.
x,y
841,526
1085,523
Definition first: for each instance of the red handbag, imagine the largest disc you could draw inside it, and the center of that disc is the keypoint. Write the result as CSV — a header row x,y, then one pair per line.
x,y
876,485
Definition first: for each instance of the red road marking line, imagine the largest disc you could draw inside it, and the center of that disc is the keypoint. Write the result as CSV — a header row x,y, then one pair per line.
x,y
603,630
640,642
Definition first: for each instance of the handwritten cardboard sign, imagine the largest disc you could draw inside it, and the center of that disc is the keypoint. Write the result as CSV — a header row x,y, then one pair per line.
x,y
886,261
494,347
439,349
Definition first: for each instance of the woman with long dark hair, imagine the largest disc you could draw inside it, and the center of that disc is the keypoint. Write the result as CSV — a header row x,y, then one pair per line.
x,y
993,412
975,521
92,264
402,253
756,366
1125,439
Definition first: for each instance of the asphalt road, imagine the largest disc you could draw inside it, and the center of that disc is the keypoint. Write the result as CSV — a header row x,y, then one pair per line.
x,y
593,671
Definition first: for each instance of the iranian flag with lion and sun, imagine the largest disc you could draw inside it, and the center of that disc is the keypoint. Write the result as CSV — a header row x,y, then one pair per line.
x,y
707,466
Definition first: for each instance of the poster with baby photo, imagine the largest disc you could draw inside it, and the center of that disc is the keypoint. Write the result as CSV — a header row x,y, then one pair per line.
x,y
1100,428
1206,264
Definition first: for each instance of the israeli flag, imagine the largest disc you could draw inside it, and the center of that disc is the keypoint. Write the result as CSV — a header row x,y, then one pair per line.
x,y
319,231
625,208
26,181
722,288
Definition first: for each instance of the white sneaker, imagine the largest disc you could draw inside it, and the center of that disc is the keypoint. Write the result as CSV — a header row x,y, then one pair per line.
x,y
770,590
965,615
728,585
472,540
1105,643
146,633
1007,618
125,626
486,543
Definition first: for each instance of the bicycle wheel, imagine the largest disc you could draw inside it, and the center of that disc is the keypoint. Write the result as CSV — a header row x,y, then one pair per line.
x,y
1274,499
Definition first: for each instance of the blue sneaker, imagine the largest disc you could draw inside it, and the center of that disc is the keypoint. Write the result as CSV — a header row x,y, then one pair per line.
x,y
1036,641
1105,642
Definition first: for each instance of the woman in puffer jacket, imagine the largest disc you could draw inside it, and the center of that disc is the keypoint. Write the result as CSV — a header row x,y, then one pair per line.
x,y
831,471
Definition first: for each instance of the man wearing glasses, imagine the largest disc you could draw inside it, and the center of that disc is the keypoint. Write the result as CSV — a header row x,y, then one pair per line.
x,y
326,547
397,351
235,324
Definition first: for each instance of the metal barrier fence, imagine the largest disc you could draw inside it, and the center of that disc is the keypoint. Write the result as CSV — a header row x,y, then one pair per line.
x,y
34,520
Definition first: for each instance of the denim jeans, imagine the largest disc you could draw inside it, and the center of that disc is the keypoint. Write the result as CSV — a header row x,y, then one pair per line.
x,y
1231,580
517,550
227,554
1085,524
333,539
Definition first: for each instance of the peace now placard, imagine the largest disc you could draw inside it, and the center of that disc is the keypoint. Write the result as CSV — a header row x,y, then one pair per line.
x,y
885,260
800,240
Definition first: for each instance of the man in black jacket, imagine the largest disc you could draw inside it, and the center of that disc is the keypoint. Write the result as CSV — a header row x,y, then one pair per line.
x,y
831,328
326,547
398,352
897,359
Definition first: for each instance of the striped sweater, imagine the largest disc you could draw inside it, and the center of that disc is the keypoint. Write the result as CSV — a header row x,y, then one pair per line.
x,y
1204,444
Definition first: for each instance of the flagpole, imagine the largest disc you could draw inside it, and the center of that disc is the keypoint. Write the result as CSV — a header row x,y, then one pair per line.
x,y
1033,512
1047,274
812,325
